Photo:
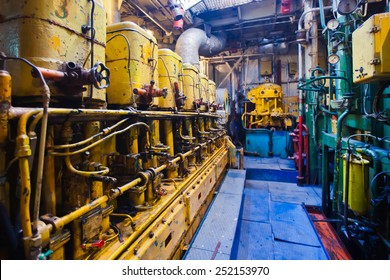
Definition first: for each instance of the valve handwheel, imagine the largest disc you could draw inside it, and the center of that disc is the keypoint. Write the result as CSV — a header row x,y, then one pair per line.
x,y
100,76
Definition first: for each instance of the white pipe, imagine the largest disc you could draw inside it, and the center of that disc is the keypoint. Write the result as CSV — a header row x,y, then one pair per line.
x,y
300,26
194,42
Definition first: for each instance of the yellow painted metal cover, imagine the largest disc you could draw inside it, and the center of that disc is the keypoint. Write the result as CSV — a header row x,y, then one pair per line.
x,y
204,89
187,66
267,90
358,191
370,49
48,33
130,26
168,52
212,92
130,67
170,69
190,85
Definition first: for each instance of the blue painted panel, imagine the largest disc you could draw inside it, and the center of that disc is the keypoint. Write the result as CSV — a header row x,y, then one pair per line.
x,y
271,175
257,141
256,241
280,211
294,196
280,142
291,223
289,231
256,185
255,205
290,251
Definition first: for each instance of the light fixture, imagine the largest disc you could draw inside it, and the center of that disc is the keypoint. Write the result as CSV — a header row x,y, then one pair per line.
x,y
177,13
178,24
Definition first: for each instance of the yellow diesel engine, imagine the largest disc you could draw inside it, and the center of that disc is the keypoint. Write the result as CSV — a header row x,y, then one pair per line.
x,y
268,109
107,147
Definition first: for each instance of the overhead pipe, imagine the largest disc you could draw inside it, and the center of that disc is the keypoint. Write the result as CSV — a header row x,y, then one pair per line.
x,y
133,3
194,42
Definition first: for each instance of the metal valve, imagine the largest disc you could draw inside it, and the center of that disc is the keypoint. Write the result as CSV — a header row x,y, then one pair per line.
x,y
100,76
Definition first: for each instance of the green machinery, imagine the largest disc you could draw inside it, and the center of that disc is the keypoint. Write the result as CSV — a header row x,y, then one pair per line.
x,y
348,118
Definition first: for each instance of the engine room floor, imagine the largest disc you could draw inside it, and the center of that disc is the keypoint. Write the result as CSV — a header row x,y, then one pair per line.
x,y
272,223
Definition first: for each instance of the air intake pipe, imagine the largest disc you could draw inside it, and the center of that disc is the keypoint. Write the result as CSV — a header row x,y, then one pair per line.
x,y
194,42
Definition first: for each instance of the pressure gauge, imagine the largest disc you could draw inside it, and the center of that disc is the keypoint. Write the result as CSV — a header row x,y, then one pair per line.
x,y
333,59
333,24
346,7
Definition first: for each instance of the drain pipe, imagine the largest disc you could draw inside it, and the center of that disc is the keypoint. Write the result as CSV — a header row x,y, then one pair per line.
x,y
300,176
194,42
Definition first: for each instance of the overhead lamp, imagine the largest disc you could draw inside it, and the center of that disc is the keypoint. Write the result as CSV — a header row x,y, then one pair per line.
x,y
178,24
177,13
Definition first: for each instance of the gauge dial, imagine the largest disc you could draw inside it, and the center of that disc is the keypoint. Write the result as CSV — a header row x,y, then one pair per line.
x,y
346,7
333,24
333,59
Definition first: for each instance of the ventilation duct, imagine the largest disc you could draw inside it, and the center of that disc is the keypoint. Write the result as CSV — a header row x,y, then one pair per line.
x,y
194,42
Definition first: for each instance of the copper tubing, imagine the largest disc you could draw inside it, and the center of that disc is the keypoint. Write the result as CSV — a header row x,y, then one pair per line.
x,y
140,91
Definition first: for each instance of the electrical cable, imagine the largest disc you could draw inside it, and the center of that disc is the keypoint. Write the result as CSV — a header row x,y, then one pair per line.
x,y
128,56
376,201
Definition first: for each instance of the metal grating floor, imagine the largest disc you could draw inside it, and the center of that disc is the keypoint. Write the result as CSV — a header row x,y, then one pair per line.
x,y
274,224
260,216
215,236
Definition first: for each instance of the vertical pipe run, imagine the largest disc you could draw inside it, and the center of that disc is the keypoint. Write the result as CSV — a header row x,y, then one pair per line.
x,y
346,192
340,122
49,184
41,156
300,96
168,131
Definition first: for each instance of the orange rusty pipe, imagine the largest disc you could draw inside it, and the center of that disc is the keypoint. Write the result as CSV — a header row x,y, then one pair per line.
x,y
140,91
51,74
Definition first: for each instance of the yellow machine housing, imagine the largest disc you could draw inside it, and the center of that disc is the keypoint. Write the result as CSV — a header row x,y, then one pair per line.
x,y
268,105
204,91
212,92
48,33
190,86
140,61
358,191
371,56
170,69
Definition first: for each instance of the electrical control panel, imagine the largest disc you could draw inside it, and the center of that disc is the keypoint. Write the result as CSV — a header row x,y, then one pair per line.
x,y
370,49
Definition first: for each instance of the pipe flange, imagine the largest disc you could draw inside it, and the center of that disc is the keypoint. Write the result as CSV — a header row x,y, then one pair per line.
x,y
151,173
144,176
50,219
